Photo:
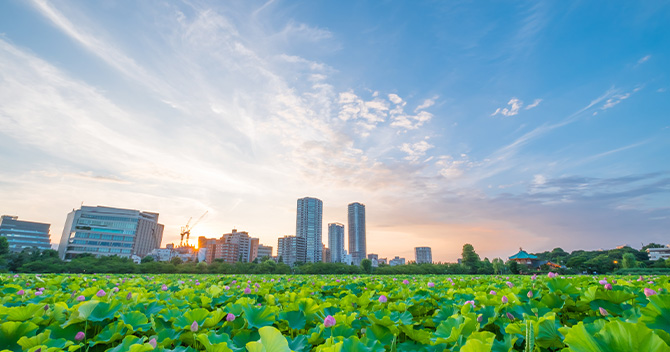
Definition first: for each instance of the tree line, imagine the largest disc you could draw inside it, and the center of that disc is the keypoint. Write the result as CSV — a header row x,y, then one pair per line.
x,y
33,260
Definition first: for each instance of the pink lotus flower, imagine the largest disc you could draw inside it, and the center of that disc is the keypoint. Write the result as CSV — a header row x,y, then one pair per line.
x,y
81,298
194,326
608,286
41,288
405,282
602,282
510,316
247,290
472,303
329,321
164,287
38,293
552,275
603,312
509,284
530,294
79,336
504,299
20,292
226,288
101,293
493,293
234,282
649,292
534,277
383,299
230,317
640,278
153,343
430,284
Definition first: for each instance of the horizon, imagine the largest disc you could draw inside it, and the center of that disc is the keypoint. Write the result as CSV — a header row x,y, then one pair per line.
x,y
502,125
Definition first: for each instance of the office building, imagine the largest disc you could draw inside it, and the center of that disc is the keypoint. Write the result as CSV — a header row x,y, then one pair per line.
x,y
110,231
309,226
397,261
22,234
357,249
233,247
336,242
326,254
291,249
264,251
423,255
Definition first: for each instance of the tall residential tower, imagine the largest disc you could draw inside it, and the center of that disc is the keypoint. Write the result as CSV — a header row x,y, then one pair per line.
x,y
309,226
357,247
336,242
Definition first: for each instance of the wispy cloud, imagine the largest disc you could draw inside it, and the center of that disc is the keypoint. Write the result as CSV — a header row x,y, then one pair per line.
x,y
643,59
416,150
535,103
513,109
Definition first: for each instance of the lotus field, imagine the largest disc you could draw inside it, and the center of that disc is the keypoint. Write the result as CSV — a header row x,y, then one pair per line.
x,y
333,313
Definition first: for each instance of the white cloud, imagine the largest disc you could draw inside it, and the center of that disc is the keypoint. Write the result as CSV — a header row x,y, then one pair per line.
x,y
426,104
613,101
395,99
416,150
513,109
643,59
534,104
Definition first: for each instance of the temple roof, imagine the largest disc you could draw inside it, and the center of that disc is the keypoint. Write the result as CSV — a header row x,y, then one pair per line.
x,y
523,255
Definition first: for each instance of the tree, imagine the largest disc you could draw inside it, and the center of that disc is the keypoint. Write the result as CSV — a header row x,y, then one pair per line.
x,y
470,257
366,265
176,261
628,261
498,265
513,266
147,259
4,246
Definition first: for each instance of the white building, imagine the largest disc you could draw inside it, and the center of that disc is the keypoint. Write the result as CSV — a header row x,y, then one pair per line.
x,y
659,253
397,261
357,236
423,255
163,254
308,225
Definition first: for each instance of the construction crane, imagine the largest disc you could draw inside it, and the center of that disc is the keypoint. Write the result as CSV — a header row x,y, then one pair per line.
x,y
186,229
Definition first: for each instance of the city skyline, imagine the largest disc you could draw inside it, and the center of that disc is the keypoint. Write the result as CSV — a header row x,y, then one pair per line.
x,y
533,124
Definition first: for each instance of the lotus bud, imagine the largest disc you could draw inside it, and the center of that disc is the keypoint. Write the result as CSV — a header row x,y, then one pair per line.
x,y
534,277
509,284
79,336
38,293
504,299
430,284
602,282
649,292
510,316
164,287
153,342
247,290
493,293
20,292
405,282
194,326
101,293
471,303
129,295
530,294
608,286
329,321
226,288
603,312
383,299
230,317
480,318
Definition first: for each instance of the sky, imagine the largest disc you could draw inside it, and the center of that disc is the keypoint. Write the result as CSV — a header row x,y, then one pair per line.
x,y
503,124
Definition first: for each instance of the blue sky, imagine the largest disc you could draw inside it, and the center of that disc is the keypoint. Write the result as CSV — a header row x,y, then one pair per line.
x,y
501,124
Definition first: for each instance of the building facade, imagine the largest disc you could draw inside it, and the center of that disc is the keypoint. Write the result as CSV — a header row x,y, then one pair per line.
x,y
291,249
397,261
110,231
22,234
659,253
309,225
264,251
233,247
357,243
336,242
423,255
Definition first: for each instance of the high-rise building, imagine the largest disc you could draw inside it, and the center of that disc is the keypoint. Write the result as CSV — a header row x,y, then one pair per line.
x,y
357,232
423,255
309,226
264,251
110,231
291,249
22,234
336,242
233,247
326,254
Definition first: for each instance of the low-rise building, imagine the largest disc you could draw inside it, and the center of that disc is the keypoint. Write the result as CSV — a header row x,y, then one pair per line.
x,y
659,253
264,251
397,261
22,234
291,249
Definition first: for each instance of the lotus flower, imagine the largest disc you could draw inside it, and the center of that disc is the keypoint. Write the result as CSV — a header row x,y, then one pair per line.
x,y
430,284
194,326
608,286
383,299
153,343
101,293
603,282
81,298
504,299
38,293
20,292
509,284
649,292
471,303
530,294
603,312
230,317
16,275
164,287
41,288
79,336
552,275
129,296
640,278
226,288
510,316
534,277
329,321
480,318
247,290
493,293
405,282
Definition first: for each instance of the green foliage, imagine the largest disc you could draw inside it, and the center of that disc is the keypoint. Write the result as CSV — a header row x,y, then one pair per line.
x,y
366,265
470,258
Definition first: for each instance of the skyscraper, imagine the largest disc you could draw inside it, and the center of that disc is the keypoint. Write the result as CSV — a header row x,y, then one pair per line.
x,y
24,234
336,242
309,226
357,247
110,231
423,255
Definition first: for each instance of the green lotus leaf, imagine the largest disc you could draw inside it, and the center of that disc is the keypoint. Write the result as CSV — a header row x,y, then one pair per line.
x,y
21,313
110,333
136,321
380,333
258,317
505,345
614,336
657,312
479,342
271,341
299,343
12,331
296,319
212,339
132,344
167,336
43,340
185,321
104,311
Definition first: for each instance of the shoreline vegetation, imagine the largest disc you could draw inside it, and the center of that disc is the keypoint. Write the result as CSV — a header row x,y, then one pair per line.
x,y
625,260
